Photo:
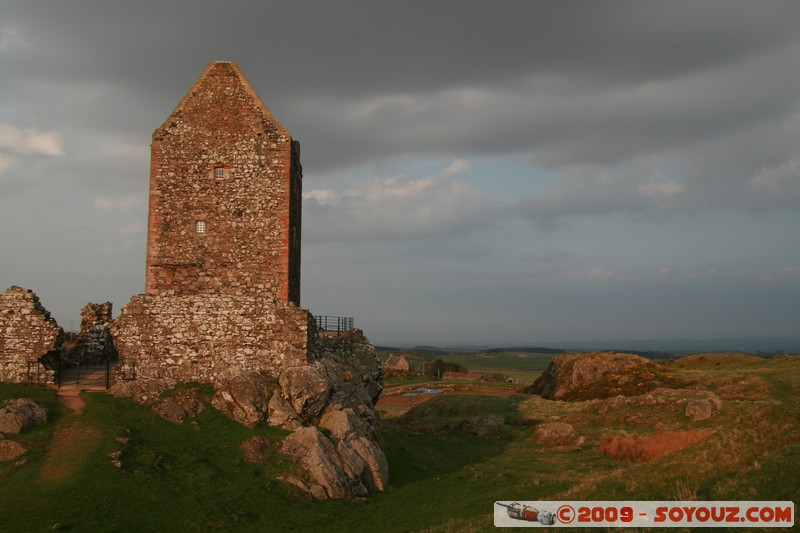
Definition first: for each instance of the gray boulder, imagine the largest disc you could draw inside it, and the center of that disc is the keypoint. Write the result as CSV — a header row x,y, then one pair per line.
x,y
363,460
243,398
21,414
704,408
365,465
318,457
280,414
306,389
555,433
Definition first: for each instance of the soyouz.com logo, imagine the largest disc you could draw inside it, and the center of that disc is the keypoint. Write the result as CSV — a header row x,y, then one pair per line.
x,y
643,514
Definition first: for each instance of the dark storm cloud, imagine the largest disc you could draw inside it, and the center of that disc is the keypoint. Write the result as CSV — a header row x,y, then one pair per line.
x,y
556,74
645,109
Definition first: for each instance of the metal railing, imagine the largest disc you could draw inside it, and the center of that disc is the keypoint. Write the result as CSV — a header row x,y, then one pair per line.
x,y
334,324
40,375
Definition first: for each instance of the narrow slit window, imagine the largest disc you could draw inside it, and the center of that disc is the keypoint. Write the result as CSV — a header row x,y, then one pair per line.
x,y
200,226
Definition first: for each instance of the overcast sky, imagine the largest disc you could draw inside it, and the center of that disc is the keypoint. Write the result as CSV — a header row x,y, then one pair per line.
x,y
474,172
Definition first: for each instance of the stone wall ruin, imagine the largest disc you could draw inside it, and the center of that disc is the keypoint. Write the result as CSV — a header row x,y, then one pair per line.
x,y
29,337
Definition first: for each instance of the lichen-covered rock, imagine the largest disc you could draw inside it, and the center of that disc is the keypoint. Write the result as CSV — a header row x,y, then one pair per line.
x,y
10,450
596,375
280,414
363,460
703,408
555,433
243,398
21,414
183,404
336,392
317,456
375,472
306,389
342,423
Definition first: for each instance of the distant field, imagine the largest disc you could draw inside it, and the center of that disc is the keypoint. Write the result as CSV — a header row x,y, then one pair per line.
x,y
450,458
511,362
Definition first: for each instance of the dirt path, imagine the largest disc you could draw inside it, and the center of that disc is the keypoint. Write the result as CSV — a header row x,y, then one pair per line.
x,y
73,441
71,400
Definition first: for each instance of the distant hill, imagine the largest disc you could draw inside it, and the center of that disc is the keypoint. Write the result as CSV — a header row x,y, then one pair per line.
x,y
764,346
526,349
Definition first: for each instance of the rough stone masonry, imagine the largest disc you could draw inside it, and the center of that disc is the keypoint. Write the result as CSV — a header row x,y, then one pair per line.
x,y
28,335
223,243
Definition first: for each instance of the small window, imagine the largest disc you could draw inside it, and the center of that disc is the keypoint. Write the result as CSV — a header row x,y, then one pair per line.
x,y
220,172
200,226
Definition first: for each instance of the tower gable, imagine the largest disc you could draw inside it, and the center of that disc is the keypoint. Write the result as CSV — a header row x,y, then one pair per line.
x,y
225,187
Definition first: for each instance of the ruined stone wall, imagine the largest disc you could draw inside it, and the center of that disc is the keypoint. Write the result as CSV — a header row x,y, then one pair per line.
x,y
207,338
224,204
94,314
27,333
93,344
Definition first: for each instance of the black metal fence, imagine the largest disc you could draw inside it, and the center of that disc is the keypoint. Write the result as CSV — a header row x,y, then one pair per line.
x,y
40,375
334,324
88,376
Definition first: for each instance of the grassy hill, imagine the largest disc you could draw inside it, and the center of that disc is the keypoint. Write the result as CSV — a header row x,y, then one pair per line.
x,y
450,457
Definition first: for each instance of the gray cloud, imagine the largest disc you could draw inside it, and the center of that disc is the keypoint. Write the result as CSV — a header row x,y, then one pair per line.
x,y
399,207
670,111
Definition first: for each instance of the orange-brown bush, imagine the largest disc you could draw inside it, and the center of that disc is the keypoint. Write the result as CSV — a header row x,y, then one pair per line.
x,y
645,448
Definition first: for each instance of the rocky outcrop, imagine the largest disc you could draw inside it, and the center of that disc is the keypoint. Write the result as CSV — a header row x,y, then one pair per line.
x,y
317,456
21,414
243,398
335,392
598,375
363,461
307,389
698,405
281,414
344,464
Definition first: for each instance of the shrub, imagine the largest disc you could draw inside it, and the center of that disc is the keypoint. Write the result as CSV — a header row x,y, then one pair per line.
x,y
645,448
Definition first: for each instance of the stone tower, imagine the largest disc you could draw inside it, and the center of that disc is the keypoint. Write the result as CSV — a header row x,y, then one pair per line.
x,y
225,195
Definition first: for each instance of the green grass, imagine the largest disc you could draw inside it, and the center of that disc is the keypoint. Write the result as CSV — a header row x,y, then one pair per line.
x,y
192,477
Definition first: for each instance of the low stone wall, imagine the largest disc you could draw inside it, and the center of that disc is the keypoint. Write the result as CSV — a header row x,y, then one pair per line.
x,y
27,334
207,338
